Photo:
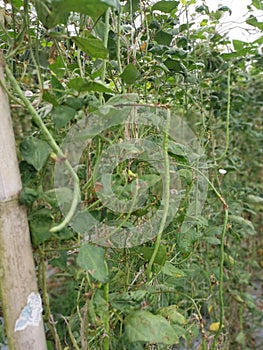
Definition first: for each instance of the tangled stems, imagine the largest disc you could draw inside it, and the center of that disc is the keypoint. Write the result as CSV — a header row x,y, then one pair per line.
x,y
37,119
167,194
222,254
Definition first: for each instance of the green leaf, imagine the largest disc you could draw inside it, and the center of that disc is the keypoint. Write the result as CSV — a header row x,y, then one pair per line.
x,y
244,223
60,262
258,4
131,6
252,20
238,44
144,326
48,13
17,3
163,38
147,253
83,222
74,102
175,65
177,148
35,152
170,270
40,223
127,301
61,115
92,46
130,74
64,234
81,85
212,240
58,67
165,6
241,338
186,175
91,259
28,196
50,98
53,12
171,314
252,199
58,196
57,87
113,3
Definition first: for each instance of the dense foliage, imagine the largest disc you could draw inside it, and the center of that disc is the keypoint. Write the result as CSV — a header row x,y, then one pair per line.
x,y
101,61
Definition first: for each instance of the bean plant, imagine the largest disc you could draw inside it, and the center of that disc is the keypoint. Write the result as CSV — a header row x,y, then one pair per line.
x,y
139,135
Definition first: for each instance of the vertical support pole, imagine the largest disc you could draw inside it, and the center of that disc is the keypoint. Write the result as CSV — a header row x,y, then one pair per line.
x,y
19,296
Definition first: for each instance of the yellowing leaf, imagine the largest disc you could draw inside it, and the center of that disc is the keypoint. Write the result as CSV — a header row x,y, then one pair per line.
x,y
214,327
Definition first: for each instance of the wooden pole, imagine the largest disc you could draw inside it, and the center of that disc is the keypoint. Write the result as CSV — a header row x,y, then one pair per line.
x,y
20,300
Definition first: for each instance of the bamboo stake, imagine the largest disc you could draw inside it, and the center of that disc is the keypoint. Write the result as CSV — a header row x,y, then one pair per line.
x,y
19,296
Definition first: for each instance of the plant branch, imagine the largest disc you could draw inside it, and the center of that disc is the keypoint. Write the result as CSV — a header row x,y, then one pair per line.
x,y
37,119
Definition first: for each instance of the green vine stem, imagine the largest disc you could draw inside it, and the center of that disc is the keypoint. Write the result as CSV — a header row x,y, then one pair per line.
x,y
167,195
105,42
221,279
37,119
227,113
106,341
118,43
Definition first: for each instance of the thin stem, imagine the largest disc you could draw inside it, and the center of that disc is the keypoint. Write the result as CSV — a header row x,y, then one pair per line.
x,y
49,317
118,44
105,42
221,280
167,195
37,119
106,343
227,113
